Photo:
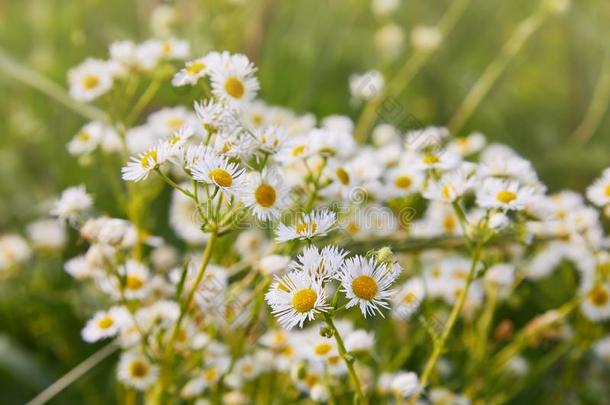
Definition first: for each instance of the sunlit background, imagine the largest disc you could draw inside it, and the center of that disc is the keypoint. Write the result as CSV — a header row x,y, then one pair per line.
x,y
548,99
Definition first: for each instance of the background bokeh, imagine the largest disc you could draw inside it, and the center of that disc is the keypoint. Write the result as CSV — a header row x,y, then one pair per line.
x,y
305,51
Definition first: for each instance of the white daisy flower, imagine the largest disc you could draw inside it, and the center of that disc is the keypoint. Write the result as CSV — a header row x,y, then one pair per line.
x,y
234,80
408,299
47,234
450,187
503,194
136,279
90,136
366,86
266,195
319,264
296,298
79,268
216,170
166,121
191,73
105,324
214,117
599,192
402,181
405,384
360,341
71,204
309,225
13,250
468,145
139,167
207,377
135,370
331,143
90,80
596,305
366,283
269,139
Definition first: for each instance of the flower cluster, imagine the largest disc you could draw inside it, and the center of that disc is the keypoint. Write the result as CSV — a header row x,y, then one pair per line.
x,y
406,235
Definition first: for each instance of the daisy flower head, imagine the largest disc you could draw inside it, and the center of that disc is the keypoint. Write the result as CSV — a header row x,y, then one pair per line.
x,y
444,159
366,86
468,145
166,121
105,324
266,195
218,171
503,194
191,73
90,80
140,167
213,117
295,298
320,264
90,136
366,283
72,203
405,384
599,192
135,370
269,139
408,299
136,277
316,223
402,181
450,187
331,142
233,80
596,303
175,143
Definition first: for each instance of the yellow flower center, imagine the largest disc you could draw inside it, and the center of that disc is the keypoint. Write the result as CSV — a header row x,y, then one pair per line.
x,y
342,176
303,228
138,369
607,190
166,47
449,223
409,298
298,150
105,322
304,300
403,182
322,348
221,177
84,136
506,196
598,296
334,360
210,375
247,368
133,282
257,119
265,195
446,191
174,123
364,287
234,87
90,82
148,159
430,159
195,67
352,228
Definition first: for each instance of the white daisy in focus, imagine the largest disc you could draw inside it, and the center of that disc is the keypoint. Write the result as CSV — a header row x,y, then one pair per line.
x,y
596,305
72,203
296,298
366,283
135,370
90,80
139,167
319,264
266,194
105,324
599,192
216,170
234,81
308,226
503,194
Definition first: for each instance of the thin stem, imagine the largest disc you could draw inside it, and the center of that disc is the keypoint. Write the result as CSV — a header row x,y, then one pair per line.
x,y
143,101
81,369
174,184
598,106
519,37
439,345
361,399
15,70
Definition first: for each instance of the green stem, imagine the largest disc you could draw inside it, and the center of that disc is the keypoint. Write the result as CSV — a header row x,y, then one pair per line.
x,y
360,398
143,101
519,37
15,70
439,345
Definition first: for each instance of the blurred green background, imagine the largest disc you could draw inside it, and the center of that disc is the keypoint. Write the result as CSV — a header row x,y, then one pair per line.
x,y
305,51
